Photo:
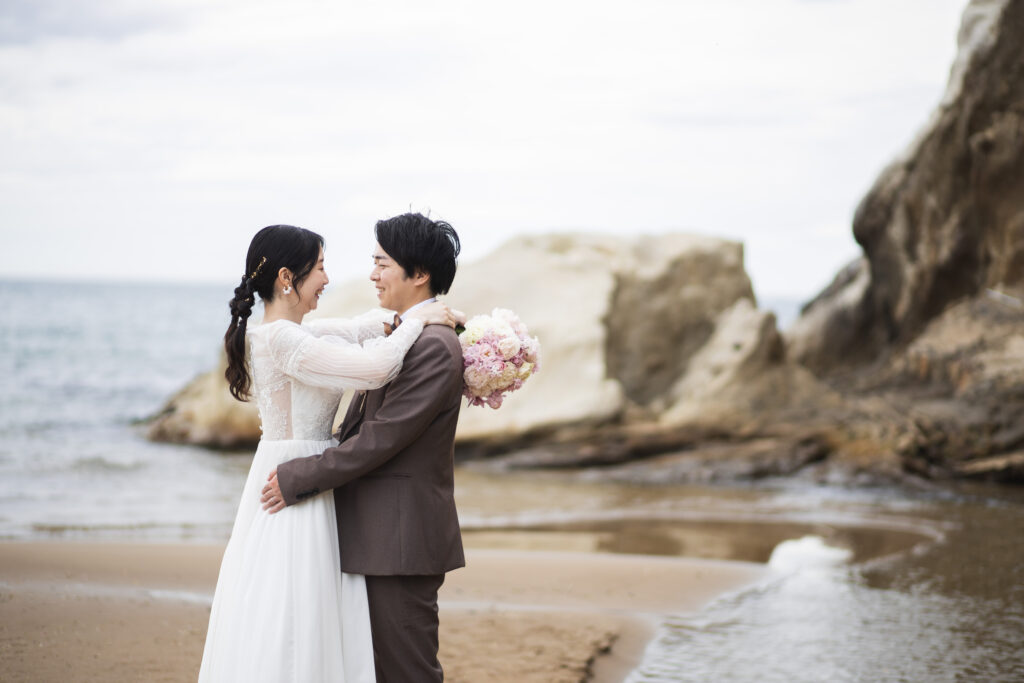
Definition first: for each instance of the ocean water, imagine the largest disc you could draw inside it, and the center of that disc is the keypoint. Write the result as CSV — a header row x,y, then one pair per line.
x,y
81,365
948,608
922,585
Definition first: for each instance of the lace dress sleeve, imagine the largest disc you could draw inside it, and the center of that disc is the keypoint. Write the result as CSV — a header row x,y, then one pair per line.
x,y
355,330
332,363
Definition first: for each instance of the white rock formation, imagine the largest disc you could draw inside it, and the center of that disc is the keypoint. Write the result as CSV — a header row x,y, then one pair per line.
x,y
559,286
620,322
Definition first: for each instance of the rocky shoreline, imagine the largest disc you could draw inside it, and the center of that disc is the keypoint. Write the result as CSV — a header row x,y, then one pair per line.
x,y
658,365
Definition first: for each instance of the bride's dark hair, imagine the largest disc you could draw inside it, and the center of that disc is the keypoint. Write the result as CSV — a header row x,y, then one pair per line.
x,y
272,248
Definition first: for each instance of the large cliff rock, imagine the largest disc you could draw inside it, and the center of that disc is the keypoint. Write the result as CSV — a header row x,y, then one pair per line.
x,y
943,222
622,324
924,334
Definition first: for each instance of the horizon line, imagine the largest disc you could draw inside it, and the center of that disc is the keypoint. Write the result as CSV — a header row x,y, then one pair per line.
x,y
787,297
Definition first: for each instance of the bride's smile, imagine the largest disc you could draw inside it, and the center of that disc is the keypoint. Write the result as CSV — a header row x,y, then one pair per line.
x,y
312,287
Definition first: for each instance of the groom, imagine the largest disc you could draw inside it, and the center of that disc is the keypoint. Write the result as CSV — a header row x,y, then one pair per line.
x,y
392,473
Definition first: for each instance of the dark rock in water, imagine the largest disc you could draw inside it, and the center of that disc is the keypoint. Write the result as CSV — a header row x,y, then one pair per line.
x,y
694,458
1009,467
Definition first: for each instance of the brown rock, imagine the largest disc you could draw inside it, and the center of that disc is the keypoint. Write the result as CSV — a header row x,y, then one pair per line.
x,y
945,221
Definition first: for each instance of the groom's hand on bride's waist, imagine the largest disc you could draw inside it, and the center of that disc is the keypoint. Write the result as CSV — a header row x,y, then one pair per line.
x,y
272,499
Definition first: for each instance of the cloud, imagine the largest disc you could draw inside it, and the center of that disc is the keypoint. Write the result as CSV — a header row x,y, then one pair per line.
x,y
183,126
25,22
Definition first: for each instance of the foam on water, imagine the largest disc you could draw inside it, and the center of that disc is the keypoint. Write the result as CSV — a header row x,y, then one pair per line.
x,y
806,553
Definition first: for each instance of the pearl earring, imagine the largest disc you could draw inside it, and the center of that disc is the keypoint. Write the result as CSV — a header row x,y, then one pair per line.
x,y
287,289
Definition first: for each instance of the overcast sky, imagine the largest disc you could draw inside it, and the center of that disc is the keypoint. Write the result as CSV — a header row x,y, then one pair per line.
x,y
150,139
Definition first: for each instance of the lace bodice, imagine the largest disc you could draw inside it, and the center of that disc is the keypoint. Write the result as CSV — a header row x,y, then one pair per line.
x,y
299,372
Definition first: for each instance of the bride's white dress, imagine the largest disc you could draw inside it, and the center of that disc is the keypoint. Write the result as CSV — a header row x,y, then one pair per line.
x,y
283,610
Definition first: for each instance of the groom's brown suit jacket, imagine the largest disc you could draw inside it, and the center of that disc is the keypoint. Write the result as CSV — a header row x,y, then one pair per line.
x,y
392,473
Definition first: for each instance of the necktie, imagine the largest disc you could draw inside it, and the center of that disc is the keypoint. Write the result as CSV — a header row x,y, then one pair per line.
x,y
389,328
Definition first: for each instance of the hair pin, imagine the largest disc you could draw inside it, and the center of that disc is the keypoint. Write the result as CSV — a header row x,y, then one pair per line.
x,y
256,272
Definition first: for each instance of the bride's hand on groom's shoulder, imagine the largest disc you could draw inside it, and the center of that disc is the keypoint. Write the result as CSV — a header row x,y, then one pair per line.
x,y
437,313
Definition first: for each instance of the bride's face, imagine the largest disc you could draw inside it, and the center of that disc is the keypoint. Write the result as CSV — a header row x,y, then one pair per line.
x,y
313,286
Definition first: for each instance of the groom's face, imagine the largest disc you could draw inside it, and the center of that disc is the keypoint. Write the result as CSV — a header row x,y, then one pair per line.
x,y
395,290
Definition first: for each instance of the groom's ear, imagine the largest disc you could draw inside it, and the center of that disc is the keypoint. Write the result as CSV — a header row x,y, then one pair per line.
x,y
421,278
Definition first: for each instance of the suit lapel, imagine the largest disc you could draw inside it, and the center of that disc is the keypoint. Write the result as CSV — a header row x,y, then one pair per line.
x,y
354,415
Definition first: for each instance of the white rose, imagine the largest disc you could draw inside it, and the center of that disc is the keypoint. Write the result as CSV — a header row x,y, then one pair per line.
x,y
509,346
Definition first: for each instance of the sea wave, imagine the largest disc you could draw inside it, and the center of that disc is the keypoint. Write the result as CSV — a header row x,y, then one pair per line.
x,y
105,464
808,552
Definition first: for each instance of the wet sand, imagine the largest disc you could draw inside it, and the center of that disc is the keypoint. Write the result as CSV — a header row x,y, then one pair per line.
x,y
107,611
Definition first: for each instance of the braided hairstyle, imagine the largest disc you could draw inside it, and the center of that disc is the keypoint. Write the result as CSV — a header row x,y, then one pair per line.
x,y
272,248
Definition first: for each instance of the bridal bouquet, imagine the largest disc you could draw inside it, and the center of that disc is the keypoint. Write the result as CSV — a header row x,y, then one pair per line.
x,y
498,356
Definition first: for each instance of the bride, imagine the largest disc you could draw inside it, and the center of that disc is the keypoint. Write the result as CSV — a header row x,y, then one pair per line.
x,y
283,610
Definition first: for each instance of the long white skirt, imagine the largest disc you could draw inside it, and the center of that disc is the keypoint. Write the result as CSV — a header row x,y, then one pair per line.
x,y
283,610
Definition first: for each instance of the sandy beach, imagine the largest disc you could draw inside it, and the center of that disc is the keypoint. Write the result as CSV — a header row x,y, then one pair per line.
x,y
138,612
